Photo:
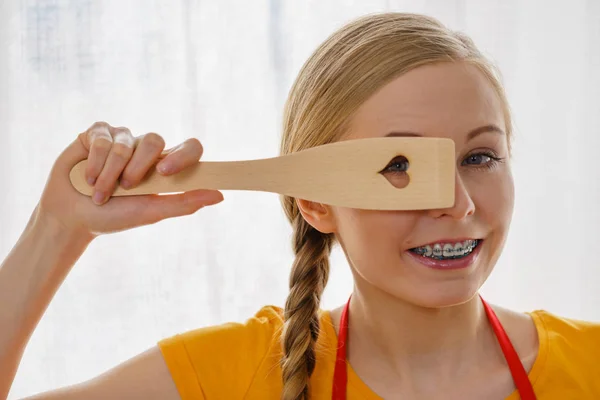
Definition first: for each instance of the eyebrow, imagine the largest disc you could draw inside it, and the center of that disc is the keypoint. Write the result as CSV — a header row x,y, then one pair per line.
x,y
472,134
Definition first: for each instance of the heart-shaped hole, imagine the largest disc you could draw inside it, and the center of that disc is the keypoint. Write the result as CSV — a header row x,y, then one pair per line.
x,y
396,172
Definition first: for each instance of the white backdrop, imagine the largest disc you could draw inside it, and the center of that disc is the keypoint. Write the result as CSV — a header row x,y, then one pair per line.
x,y
220,71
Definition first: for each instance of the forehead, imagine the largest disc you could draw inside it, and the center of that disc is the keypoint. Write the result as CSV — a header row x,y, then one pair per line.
x,y
441,100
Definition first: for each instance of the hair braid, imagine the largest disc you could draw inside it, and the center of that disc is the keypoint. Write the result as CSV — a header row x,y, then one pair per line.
x,y
308,278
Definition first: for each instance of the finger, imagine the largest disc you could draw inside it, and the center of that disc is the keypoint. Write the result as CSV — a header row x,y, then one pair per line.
x,y
147,151
183,156
98,141
176,205
149,209
119,156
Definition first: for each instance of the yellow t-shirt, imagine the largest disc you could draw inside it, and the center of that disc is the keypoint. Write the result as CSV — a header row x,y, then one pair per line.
x,y
241,361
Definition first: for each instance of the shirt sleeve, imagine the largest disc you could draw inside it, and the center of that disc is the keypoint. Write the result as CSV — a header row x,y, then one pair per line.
x,y
181,368
220,362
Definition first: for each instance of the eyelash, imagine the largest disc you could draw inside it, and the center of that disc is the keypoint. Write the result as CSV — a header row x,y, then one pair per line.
x,y
397,160
494,161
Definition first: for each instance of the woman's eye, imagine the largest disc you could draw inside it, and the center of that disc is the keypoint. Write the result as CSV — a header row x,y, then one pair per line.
x,y
478,159
398,164
482,160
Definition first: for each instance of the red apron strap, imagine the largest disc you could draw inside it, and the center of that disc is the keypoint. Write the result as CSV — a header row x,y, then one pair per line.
x,y
512,358
340,372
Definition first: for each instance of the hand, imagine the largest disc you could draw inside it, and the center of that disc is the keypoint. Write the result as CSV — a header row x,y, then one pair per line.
x,y
116,157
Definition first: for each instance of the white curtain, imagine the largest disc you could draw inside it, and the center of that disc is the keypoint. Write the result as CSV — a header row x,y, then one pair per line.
x,y
220,71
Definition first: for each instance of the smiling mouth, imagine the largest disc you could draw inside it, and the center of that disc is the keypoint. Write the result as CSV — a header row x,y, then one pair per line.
x,y
447,251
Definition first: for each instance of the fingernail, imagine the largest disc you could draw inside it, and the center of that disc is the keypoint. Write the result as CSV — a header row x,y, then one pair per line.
x,y
165,168
211,198
125,184
91,181
99,197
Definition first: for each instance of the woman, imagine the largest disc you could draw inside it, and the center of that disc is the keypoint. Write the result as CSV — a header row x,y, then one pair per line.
x,y
414,328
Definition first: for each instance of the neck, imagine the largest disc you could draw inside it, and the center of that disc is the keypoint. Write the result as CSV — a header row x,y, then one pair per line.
x,y
406,338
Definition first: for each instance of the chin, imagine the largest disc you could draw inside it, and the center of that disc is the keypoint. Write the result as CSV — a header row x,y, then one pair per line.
x,y
440,296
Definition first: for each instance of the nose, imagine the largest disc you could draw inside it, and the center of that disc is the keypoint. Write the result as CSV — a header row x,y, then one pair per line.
x,y
463,204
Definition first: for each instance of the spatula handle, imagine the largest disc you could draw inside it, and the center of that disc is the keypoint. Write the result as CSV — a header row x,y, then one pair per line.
x,y
221,175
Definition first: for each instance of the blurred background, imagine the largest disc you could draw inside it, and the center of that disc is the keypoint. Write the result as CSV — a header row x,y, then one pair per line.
x,y
220,71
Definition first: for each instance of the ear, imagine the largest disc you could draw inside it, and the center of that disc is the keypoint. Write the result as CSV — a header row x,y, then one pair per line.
x,y
318,215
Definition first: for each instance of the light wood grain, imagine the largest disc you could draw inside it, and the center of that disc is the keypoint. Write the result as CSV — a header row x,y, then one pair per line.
x,y
345,173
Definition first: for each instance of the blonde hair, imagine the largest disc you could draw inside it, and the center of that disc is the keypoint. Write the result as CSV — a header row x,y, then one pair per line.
x,y
341,74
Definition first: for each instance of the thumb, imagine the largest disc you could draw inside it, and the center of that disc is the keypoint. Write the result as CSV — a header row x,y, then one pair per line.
x,y
176,205
73,154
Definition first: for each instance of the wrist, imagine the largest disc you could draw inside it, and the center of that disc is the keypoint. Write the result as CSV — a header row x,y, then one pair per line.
x,y
46,227
45,253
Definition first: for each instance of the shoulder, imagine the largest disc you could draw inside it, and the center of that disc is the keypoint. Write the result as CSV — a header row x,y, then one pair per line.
x,y
258,330
561,354
568,332
549,328
231,336
543,339
206,360
569,354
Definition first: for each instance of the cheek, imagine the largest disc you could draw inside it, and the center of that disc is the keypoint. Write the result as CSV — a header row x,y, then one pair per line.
x,y
494,200
372,237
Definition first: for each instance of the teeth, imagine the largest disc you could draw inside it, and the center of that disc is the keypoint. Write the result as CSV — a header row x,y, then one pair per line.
x,y
428,251
459,249
447,250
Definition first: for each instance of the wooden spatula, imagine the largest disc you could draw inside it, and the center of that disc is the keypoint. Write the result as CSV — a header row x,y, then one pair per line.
x,y
345,173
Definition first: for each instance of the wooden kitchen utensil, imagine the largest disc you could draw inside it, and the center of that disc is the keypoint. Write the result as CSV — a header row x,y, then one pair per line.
x,y
345,173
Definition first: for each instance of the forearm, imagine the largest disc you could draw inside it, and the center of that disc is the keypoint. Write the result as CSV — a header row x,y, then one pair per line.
x,y
29,277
